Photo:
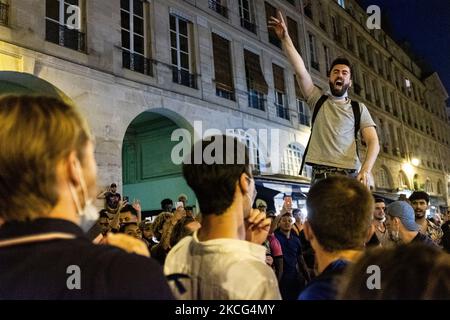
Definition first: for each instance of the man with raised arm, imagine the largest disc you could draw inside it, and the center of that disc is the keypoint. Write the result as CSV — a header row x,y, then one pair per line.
x,y
336,121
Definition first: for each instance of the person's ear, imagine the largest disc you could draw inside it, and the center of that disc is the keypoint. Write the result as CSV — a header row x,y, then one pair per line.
x,y
351,83
309,234
396,221
244,183
73,169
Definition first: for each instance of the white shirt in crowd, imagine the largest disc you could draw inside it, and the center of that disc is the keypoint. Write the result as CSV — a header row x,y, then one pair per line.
x,y
220,269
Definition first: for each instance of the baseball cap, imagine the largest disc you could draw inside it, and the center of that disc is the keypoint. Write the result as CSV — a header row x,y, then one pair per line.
x,y
403,211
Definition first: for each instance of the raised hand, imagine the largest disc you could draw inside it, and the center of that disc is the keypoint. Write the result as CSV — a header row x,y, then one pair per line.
x,y
278,26
257,227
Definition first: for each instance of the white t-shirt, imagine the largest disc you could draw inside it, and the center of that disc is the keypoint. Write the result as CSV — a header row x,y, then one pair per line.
x,y
333,136
221,269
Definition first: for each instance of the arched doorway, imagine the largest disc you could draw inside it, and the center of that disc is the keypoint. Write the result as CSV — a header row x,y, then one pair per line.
x,y
148,172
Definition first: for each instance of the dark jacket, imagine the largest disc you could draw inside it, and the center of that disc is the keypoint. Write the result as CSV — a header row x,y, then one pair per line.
x,y
324,287
43,270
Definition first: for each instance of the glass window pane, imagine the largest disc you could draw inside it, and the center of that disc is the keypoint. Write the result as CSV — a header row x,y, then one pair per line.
x,y
172,23
183,27
174,57
138,44
52,9
184,60
173,39
125,39
125,4
125,19
138,7
138,25
184,44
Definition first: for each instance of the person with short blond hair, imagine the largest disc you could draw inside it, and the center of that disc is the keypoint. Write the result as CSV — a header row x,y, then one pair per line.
x,y
47,184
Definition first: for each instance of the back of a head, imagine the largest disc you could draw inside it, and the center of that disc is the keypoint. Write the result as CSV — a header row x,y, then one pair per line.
x,y
411,271
36,134
340,213
159,222
180,231
129,208
213,177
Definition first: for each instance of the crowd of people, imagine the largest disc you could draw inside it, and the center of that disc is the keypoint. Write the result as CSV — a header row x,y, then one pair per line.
x,y
234,249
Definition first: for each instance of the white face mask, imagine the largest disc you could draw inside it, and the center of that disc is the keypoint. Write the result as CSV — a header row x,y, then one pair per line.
x,y
89,214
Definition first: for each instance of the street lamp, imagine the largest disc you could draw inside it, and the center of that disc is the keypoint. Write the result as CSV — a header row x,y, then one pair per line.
x,y
415,162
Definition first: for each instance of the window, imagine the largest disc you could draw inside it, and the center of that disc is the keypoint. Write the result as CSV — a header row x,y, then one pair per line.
x,y
134,44
293,32
271,11
181,52
303,112
335,26
367,88
250,139
401,143
386,99
222,67
4,13
428,186
348,38
256,83
361,50
382,179
280,103
326,50
369,56
341,3
394,104
375,93
439,187
307,8
403,181
321,17
292,160
246,15
313,52
217,6
63,24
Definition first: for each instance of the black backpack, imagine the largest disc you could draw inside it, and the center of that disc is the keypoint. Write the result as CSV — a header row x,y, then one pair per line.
x,y
320,102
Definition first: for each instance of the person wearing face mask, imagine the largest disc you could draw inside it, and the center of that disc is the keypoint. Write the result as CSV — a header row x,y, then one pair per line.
x,y
401,225
47,183
224,259
336,119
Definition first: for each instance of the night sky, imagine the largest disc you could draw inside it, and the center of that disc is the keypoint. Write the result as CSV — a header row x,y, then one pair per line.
x,y
425,25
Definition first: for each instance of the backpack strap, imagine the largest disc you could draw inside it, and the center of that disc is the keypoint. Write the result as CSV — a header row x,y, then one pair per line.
x,y
357,117
317,107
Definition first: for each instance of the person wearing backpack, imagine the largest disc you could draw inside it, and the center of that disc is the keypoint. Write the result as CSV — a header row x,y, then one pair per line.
x,y
336,120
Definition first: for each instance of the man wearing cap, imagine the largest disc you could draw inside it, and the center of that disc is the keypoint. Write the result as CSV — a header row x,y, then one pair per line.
x,y
401,225
420,202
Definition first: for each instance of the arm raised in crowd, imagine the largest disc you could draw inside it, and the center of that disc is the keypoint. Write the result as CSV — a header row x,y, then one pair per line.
x,y
303,77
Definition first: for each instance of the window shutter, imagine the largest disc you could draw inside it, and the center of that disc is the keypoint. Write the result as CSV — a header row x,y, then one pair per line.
x,y
222,63
254,72
278,78
298,92
293,32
